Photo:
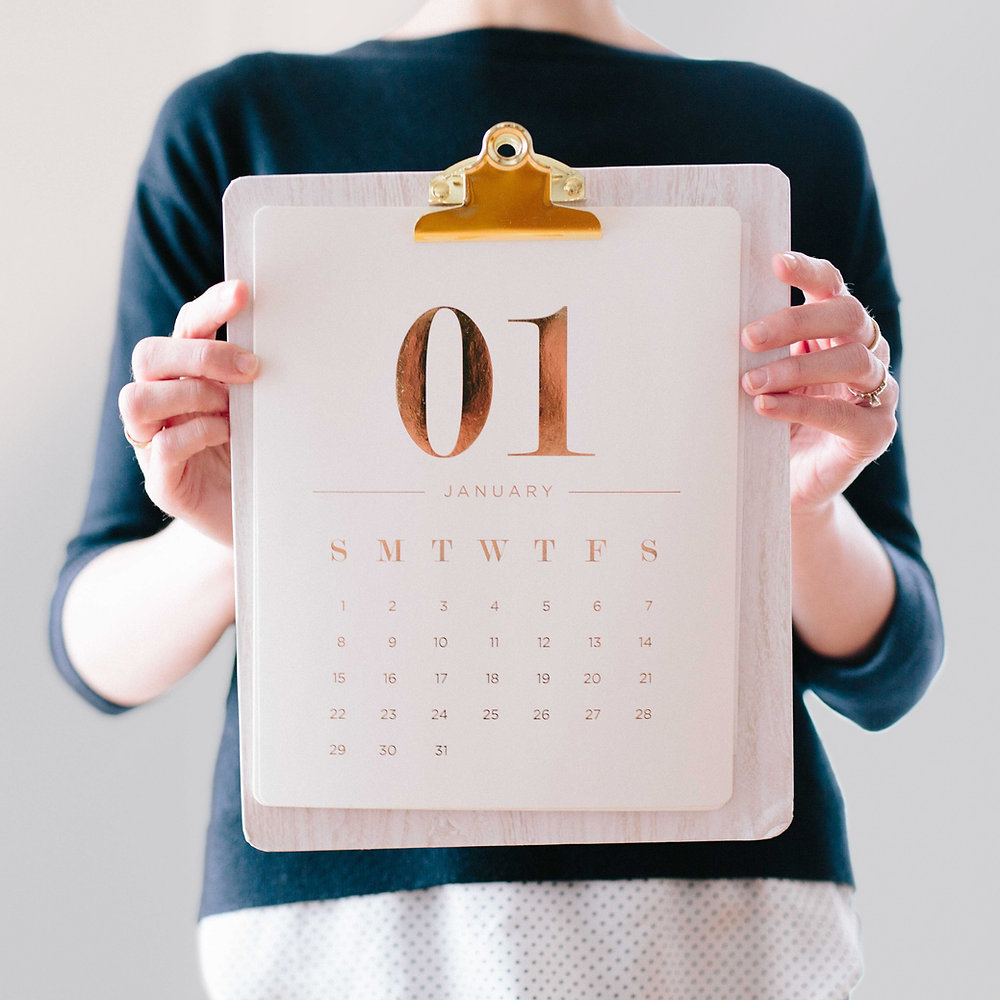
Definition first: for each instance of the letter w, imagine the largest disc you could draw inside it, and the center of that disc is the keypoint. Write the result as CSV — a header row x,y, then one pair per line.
x,y
497,548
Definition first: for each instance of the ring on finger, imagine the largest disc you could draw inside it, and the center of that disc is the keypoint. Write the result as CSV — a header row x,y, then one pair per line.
x,y
132,441
878,334
871,398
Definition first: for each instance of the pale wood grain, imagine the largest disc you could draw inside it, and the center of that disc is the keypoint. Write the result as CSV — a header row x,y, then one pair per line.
x,y
761,805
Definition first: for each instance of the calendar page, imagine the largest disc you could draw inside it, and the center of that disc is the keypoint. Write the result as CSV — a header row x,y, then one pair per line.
x,y
495,520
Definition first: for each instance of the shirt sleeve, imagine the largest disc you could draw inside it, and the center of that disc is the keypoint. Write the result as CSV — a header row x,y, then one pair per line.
x,y
172,253
878,689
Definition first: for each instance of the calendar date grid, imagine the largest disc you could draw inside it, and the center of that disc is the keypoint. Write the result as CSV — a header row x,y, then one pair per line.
x,y
398,690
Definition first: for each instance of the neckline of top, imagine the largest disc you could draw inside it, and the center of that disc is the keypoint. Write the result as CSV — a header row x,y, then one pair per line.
x,y
520,41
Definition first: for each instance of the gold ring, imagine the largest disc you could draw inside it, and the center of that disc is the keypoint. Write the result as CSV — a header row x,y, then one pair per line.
x,y
132,441
872,398
877,337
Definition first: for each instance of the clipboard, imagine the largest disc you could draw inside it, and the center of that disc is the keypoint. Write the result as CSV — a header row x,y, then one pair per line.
x,y
556,615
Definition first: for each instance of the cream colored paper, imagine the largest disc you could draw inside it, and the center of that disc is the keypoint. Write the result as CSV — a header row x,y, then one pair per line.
x,y
652,390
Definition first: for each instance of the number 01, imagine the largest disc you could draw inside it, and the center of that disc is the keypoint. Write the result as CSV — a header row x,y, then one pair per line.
x,y
477,383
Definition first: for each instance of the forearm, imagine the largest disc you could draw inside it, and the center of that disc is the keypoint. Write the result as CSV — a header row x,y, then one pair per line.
x,y
142,614
843,587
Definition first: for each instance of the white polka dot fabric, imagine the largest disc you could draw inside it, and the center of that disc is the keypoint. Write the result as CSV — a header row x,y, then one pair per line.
x,y
755,939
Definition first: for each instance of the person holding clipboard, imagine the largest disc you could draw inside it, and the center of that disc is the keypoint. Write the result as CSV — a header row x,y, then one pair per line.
x,y
142,598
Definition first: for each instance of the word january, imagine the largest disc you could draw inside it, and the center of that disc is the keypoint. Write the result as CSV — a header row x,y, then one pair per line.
x,y
481,491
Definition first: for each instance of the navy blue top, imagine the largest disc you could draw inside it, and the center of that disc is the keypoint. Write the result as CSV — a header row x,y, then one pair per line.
x,y
419,105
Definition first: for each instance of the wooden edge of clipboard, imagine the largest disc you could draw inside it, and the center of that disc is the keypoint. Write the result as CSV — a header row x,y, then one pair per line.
x,y
761,804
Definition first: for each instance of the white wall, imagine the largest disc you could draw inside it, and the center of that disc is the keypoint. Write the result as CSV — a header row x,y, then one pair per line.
x,y
104,818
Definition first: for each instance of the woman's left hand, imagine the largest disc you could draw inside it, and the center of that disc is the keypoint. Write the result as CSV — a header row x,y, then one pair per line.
x,y
836,354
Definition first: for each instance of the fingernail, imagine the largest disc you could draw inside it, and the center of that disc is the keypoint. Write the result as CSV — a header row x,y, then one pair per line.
x,y
791,261
755,380
246,363
766,403
756,333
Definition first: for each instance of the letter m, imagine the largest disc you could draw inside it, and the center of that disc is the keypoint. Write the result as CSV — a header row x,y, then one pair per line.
x,y
390,555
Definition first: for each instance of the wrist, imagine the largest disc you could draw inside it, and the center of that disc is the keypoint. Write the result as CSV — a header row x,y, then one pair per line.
x,y
843,586
211,563
815,518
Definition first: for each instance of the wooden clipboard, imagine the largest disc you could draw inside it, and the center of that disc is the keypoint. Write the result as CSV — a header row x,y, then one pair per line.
x,y
327,666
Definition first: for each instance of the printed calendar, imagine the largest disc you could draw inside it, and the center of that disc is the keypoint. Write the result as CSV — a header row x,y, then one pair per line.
x,y
496,524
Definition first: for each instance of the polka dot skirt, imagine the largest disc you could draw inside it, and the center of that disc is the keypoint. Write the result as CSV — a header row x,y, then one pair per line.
x,y
754,939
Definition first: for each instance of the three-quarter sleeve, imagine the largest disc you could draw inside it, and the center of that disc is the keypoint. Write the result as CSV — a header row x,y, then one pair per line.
x,y
879,688
172,252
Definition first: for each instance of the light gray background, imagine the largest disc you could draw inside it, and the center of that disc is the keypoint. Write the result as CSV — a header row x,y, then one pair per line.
x,y
104,818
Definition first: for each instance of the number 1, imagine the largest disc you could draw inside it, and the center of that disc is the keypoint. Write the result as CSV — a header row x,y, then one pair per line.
x,y
552,338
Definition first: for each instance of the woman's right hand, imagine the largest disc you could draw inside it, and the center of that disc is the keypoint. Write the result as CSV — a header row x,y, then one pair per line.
x,y
176,411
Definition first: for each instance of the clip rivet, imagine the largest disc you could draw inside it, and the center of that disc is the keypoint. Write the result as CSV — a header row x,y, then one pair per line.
x,y
507,192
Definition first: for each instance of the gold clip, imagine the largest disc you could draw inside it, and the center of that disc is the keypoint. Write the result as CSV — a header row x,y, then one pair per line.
x,y
507,193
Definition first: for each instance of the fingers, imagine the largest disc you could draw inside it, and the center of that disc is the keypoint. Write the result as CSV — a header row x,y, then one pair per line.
x,y
186,473
181,378
833,388
816,279
203,316
833,339
159,358
839,317
852,364
180,442
147,407
193,351
862,434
